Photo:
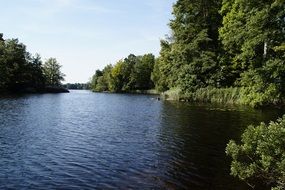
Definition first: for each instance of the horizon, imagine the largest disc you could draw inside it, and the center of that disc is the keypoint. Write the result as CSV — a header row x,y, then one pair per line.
x,y
87,35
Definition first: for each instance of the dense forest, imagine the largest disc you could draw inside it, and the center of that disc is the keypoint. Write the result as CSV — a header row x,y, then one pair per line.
x,y
225,51
20,71
230,51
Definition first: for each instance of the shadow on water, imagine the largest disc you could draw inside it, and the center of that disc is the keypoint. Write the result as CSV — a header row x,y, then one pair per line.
x,y
193,139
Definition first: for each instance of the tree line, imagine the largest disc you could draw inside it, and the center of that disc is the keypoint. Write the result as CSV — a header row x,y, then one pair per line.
x,y
129,74
218,50
219,44
20,71
222,51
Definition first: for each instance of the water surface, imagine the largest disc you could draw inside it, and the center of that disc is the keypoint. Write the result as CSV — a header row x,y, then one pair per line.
x,y
85,140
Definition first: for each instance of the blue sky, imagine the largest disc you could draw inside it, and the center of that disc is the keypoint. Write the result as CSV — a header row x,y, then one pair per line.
x,y
85,35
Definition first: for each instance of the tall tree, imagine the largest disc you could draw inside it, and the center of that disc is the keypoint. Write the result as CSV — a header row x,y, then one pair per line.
x,y
162,68
142,72
94,80
13,64
104,81
253,34
52,73
251,30
189,58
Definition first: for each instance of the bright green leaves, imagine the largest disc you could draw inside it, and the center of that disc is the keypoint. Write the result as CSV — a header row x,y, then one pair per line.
x,y
19,70
188,60
261,154
53,75
132,73
22,72
249,26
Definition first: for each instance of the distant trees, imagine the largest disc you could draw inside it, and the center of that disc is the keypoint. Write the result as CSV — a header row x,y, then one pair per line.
x,y
131,73
77,86
101,80
21,71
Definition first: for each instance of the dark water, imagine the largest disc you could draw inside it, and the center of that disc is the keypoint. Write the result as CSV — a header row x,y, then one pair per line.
x,y
84,140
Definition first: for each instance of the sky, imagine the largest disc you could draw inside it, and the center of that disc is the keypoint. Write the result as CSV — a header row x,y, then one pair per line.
x,y
85,35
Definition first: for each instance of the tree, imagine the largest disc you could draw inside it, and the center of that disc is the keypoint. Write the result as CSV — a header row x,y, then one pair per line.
x,y
101,79
253,35
14,67
127,72
260,155
52,73
95,77
162,68
131,73
20,71
34,72
189,58
117,78
251,30
142,72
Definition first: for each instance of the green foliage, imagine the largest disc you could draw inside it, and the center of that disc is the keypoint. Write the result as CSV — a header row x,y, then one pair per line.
x,y
206,95
216,95
53,75
261,154
189,58
172,94
251,30
162,67
128,75
101,79
13,63
221,44
94,80
117,77
22,72
264,85
142,72
19,70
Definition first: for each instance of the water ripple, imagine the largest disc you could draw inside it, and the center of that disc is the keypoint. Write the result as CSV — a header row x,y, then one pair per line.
x,y
84,140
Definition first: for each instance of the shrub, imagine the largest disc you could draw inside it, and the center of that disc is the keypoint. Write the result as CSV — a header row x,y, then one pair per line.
x,y
261,154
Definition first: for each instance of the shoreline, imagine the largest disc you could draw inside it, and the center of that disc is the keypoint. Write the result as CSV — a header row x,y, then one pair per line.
x,y
143,92
219,96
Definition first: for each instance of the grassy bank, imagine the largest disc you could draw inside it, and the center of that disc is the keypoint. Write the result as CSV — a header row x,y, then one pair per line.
x,y
205,95
232,95
150,92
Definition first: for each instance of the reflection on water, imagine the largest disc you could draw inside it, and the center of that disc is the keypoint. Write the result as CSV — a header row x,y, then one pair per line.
x,y
105,141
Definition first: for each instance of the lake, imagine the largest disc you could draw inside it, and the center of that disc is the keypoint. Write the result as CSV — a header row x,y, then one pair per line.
x,y
85,140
